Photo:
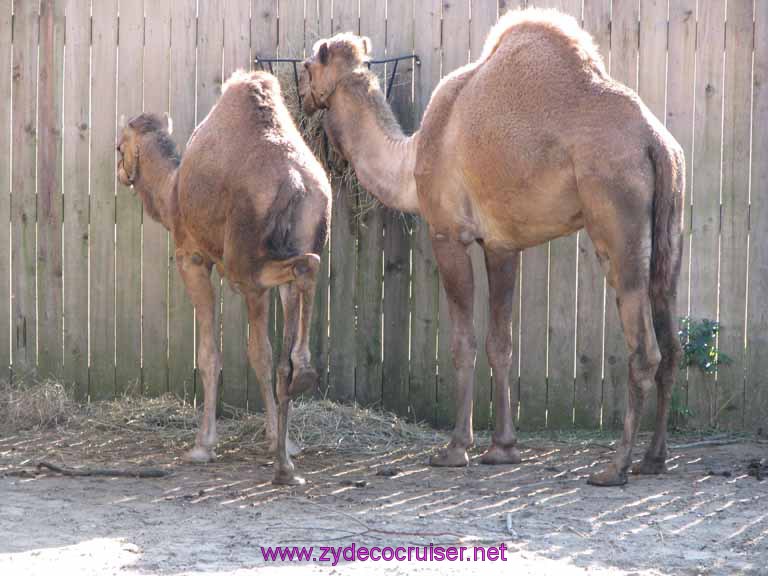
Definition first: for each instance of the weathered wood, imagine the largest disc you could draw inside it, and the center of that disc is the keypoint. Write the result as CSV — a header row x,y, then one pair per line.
x,y
680,88
129,209
76,133
563,258
483,17
234,314
591,280
181,320
734,225
424,278
624,54
103,155
708,102
400,40
341,376
157,41
6,31
23,182
757,334
652,88
49,191
455,53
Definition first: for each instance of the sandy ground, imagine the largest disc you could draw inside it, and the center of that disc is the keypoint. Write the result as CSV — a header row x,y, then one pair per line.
x,y
707,516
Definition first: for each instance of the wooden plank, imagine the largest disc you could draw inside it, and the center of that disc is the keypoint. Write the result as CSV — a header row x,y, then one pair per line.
x,y
181,319
708,103
757,335
234,315
424,276
625,30
484,14
341,376
49,192
129,209
455,53
317,24
102,256
397,253
210,45
591,281
6,31
680,89
563,258
23,184
76,134
157,41
370,237
652,89
735,211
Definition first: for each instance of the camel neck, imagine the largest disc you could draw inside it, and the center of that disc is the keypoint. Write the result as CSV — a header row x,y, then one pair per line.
x,y
156,184
362,125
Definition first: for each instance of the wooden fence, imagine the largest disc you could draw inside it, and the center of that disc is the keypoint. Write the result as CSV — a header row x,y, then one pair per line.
x,y
89,291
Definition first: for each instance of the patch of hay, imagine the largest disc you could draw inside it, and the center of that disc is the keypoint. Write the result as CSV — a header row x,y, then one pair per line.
x,y
26,404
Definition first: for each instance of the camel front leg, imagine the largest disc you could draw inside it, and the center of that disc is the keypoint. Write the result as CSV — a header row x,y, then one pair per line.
x,y
197,279
455,268
502,274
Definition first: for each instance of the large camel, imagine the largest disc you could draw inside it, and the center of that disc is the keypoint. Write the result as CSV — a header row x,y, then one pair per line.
x,y
531,142
249,197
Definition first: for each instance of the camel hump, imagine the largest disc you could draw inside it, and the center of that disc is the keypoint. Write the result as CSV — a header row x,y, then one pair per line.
x,y
546,22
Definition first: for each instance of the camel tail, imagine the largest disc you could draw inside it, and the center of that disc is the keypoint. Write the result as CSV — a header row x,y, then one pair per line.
x,y
669,165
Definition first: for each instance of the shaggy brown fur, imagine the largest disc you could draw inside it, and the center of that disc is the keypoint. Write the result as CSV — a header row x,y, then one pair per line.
x,y
250,198
531,142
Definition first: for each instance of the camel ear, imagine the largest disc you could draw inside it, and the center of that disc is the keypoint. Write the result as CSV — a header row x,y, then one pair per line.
x,y
168,121
322,53
366,45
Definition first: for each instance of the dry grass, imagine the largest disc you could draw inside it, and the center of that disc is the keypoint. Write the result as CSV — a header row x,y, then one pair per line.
x,y
27,404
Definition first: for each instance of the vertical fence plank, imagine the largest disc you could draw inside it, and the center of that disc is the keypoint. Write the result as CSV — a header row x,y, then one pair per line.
x,y
181,320
75,182
129,208
370,237
23,186
757,335
735,211
624,54
5,187
483,17
317,24
591,281
157,39
400,41
102,255
290,27
710,33
455,53
210,44
652,89
680,89
563,257
49,198
234,315
424,278
341,376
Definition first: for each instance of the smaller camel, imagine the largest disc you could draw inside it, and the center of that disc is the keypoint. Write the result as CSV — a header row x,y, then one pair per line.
x,y
250,198
531,142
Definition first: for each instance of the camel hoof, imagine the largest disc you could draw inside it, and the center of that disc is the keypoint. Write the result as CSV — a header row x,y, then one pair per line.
x,y
287,478
608,477
450,457
304,381
501,455
200,455
651,465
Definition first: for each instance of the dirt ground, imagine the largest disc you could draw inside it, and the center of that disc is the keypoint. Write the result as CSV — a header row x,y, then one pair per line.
x,y
707,516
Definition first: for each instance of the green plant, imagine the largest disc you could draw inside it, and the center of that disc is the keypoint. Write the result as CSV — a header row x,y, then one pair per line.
x,y
700,348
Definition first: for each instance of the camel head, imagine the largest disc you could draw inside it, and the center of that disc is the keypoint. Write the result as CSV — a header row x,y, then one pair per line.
x,y
331,60
141,135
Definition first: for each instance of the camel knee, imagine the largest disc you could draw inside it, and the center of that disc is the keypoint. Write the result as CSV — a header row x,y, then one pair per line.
x,y
499,351
643,365
464,349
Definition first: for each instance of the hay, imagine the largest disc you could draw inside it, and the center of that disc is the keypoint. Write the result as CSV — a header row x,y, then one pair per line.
x,y
28,404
